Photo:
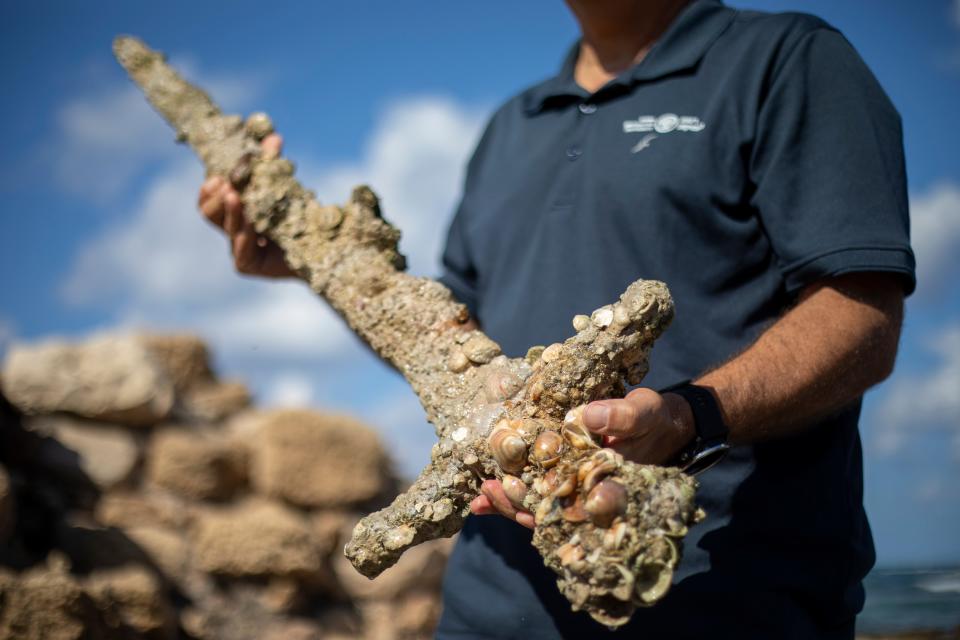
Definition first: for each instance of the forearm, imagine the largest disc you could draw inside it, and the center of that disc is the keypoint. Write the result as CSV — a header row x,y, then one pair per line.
x,y
838,341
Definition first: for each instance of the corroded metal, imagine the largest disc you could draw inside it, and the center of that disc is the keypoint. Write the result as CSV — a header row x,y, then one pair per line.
x,y
611,529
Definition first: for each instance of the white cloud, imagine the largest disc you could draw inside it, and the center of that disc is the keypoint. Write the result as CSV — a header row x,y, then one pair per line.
x,y
414,160
289,389
162,268
935,231
109,136
103,138
282,320
160,254
929,402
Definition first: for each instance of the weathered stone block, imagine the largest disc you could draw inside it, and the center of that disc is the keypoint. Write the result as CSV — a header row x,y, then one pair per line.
x,y
133,598
318,461
105,453
113,379
195,465
256,539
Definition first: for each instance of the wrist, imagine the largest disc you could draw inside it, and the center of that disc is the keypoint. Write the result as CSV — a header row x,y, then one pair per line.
x,y
701,410
681,415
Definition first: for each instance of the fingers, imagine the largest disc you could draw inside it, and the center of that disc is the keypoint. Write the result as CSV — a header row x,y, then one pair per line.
x,y
624,418
247,254
211,200
233,221
209,186
525,519
272,145
494,492
220,202
493,500
481,506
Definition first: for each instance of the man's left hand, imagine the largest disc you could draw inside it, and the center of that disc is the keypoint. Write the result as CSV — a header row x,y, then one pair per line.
x,y
645,427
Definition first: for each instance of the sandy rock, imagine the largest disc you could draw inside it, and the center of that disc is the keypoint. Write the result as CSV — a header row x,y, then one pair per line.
x,y
105,453
183,357
316,460
142,508
244,425
281,595
167,549
412,618
47,603
222,618
132,597
113,379
378,621
294,630
330,530
255,538
416,616
420,568
7,507
195,465
197,624
215,401
341,622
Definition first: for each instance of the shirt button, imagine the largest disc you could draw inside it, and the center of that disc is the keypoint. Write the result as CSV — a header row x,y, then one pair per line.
x,y
586,108
574,152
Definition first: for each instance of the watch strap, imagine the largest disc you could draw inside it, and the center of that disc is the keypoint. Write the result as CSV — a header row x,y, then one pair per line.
x,y
710,441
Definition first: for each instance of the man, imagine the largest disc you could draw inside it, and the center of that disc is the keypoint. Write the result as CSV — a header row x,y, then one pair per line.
x,y
752,163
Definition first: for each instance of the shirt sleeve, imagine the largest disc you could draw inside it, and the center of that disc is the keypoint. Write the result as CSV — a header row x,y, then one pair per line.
x,y
827,167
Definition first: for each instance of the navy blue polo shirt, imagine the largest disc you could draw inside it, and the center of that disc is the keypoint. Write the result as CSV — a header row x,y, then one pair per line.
x,y
747,156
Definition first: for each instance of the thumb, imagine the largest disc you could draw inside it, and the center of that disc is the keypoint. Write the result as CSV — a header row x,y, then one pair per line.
x,y
618,418
272,145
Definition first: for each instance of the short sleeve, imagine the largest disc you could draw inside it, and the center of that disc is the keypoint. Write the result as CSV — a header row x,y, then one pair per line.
x,y
827,167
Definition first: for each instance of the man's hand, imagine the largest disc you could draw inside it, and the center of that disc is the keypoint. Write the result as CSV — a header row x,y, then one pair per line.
x,y
220,203
838,341
644,427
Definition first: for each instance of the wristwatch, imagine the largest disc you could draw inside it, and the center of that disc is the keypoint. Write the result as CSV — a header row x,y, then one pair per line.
x,y
709,446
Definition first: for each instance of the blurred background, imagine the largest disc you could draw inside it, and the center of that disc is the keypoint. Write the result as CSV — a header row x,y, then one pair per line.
x,y
100,229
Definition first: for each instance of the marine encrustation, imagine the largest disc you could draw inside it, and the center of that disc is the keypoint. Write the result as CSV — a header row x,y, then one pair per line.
x,y
609,528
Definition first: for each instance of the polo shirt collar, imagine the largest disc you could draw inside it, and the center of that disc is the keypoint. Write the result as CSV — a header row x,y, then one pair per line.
x,y
681,47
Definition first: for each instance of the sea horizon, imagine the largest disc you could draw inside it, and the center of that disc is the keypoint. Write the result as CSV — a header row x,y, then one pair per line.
x,y
903,598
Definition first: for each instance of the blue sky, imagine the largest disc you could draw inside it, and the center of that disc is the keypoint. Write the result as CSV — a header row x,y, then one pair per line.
x,y
100,230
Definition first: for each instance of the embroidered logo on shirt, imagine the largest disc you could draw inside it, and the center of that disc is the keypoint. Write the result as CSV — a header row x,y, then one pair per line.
x,y
664,123
644,142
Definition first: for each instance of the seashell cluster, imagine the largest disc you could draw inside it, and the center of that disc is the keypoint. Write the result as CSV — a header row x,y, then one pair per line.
x,y
604,528
586,501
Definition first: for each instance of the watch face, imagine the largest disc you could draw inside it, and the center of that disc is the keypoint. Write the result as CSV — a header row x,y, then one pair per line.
x,y
705,457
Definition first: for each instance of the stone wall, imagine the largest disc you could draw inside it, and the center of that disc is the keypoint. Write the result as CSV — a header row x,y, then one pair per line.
x,y
143,497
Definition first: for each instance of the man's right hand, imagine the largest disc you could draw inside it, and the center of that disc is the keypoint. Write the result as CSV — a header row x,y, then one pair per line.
x,y
220,203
